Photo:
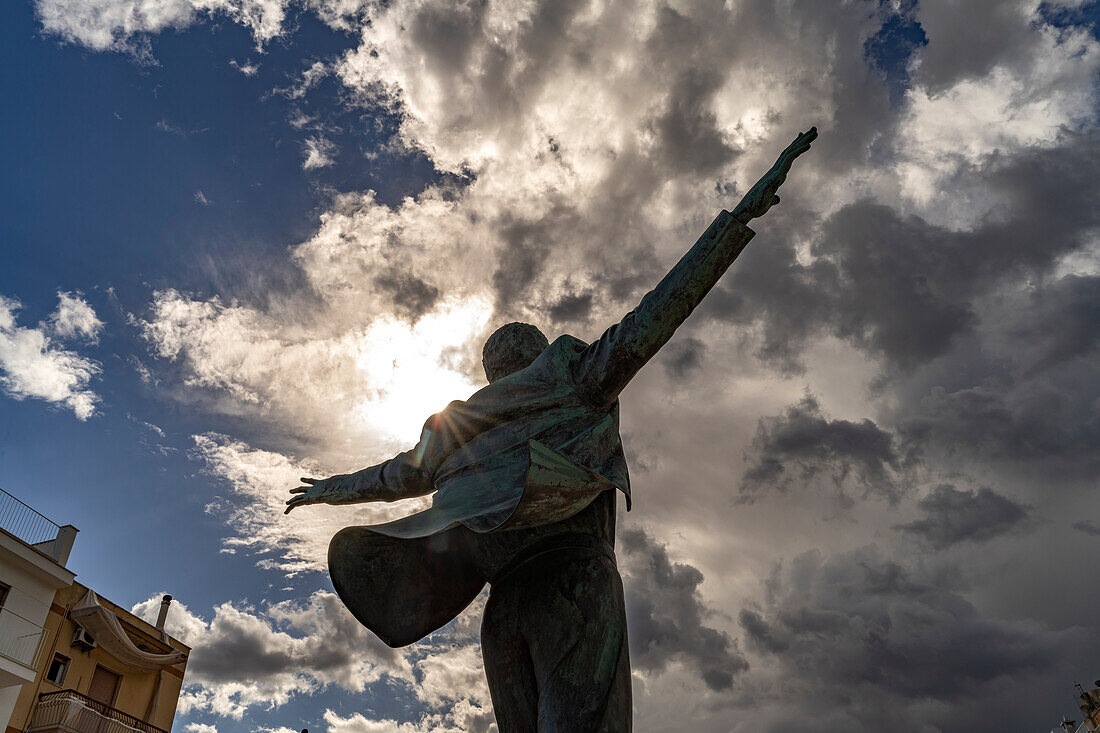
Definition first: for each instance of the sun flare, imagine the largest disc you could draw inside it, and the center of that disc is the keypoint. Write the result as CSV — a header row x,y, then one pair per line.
x,y
412,369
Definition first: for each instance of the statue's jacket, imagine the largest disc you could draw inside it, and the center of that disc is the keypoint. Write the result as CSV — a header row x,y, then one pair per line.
x,y
531,449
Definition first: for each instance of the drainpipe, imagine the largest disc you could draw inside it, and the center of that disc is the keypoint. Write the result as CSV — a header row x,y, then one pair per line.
x,y
154,701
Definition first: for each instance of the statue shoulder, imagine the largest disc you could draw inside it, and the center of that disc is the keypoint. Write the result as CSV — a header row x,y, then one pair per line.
x,y
568,346
559,355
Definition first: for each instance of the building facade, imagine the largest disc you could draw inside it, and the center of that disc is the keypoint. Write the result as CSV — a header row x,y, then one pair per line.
x,y
80,664
33,553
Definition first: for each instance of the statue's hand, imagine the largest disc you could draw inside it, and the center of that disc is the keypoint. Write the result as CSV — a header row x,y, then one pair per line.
x,y
332,490
761,197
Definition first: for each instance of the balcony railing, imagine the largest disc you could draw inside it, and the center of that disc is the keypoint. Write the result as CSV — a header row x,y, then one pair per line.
x,y
21,639
71,712
20,520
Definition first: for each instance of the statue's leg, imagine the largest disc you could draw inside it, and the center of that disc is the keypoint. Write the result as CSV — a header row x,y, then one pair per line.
x,y
508,667
576,631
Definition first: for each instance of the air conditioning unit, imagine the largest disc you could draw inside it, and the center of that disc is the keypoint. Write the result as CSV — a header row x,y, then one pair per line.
x,y
83,639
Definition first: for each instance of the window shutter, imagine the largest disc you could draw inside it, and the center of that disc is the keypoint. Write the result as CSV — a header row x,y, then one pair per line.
x,y
103,686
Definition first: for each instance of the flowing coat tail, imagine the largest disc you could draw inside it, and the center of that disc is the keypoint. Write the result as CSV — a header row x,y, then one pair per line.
x,y
405,579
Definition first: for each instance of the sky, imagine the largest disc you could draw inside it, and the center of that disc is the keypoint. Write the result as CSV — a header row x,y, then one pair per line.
x,y
250,240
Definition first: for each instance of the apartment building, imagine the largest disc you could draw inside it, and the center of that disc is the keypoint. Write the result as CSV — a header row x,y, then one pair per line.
x,y
75,662
33,553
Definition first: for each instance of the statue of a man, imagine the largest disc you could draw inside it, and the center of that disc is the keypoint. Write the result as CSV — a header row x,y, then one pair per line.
x,y
525,473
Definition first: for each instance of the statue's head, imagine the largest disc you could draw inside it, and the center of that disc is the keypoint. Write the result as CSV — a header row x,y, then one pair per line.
x,y
511,347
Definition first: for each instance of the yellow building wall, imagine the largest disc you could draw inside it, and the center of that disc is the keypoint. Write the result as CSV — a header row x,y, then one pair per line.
x,y
136,689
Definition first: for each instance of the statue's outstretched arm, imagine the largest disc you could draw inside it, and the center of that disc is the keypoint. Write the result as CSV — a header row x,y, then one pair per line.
x,y
397,478
404,476
612,361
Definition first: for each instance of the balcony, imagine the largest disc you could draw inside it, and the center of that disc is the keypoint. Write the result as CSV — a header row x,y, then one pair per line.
x,y
68,711
21,641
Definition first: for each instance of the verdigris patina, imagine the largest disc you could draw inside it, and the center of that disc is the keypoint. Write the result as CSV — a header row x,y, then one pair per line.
x,y
525,474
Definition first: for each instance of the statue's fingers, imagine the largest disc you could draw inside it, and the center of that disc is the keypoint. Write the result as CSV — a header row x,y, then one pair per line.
x,y
305,480
296,502
300,490
802,142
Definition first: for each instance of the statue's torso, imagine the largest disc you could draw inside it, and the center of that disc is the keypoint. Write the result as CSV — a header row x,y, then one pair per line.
x,y
492,551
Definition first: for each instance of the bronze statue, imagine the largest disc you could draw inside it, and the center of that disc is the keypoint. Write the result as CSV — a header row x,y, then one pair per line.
x,y
524,474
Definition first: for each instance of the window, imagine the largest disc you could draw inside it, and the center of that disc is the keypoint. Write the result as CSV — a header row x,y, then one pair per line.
x,y
4,588
58,668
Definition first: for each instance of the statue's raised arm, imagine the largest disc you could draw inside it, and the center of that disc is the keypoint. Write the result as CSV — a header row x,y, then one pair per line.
x,y
612,361
601,372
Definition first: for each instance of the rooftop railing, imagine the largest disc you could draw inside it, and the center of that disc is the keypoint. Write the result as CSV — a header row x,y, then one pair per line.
x,y
18,519
70,712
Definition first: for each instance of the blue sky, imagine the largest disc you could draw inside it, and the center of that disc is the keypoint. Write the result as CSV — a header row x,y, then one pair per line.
x,y
274,222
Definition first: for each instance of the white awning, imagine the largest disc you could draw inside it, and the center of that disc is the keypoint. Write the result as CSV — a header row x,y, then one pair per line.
x,y
105,627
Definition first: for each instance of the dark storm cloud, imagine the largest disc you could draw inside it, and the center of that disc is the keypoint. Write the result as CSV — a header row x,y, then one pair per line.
x,y
241,646
759,633
952,516
1087,527
1063,322
768,285
1035,421
998,33
682,357
411,296
527,245
905,289
803,443
666,615
571,307
687,131
864,631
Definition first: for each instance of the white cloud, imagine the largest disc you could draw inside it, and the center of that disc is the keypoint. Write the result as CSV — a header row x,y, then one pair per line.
x,y
308,79
464,717
32,364
452,675
343,15
202,728
121,25
166,126
260,482
354,372
319,152
247,68
110,24
74,317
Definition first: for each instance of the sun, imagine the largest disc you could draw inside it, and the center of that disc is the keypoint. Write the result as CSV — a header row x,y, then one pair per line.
x,y
407,369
